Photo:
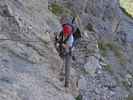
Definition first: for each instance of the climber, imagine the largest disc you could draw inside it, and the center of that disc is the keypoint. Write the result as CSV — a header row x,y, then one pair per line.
x,y
67,40
69,35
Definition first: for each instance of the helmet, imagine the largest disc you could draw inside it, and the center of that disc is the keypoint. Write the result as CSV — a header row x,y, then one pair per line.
x,y
67,30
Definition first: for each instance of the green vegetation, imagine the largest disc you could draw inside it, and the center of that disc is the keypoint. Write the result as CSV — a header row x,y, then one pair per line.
x,y
58,9
84,72
130,97
78,98
90,51
108,68
127,7
118,52
106,46
125,84
103,48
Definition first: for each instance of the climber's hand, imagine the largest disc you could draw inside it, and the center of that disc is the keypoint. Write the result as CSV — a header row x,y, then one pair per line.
x,y
65,45
57,44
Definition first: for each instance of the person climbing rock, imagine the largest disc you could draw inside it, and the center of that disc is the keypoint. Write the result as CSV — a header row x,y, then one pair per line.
x,y
67,39
69,35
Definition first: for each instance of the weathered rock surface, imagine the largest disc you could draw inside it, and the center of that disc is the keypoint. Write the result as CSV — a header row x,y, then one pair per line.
x,y
106,79
30,68
29,65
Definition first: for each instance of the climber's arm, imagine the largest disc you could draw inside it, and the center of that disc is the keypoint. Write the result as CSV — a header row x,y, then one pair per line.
x,y
69,43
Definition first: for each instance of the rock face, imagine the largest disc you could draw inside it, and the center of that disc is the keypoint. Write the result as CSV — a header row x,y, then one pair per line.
x,y
106,79
29,65
105,17
30,68
102,16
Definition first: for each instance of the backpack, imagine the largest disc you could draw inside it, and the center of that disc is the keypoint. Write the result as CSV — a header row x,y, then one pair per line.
x,y
76,30
77,34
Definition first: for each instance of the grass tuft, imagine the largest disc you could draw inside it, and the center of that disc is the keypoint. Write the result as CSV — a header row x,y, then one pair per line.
x,y
59,9
78,98
108,68
106,46
130,97
56,8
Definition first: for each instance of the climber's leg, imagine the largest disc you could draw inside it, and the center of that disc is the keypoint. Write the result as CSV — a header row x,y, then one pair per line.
x,y
67,69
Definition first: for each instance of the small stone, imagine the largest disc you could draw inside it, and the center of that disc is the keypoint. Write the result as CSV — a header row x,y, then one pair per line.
x,y
82,83
129,76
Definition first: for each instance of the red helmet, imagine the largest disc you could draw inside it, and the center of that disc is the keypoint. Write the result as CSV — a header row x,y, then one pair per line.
x,y
67,30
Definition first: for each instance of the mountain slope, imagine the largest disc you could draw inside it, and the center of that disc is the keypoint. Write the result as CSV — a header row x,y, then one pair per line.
x,y
29,65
